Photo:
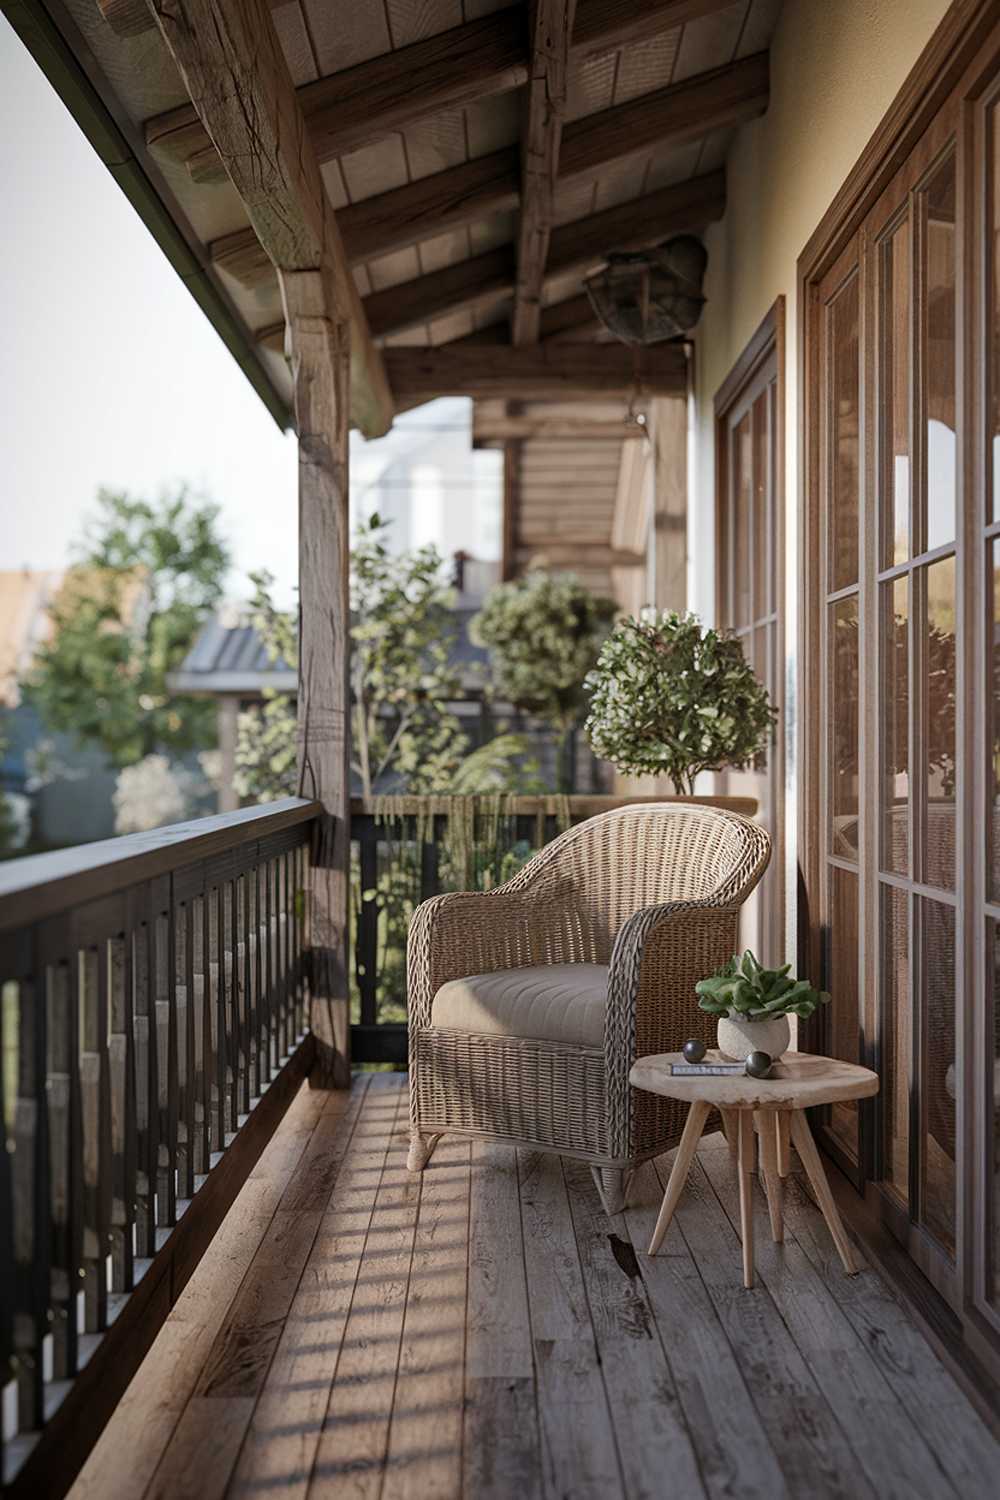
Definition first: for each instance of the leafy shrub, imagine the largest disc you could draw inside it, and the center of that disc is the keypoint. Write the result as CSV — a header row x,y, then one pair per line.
x,y
672,698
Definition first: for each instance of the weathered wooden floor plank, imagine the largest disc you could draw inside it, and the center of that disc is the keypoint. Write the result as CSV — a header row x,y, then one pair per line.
x,y
579,1449
126,1455
351,1452
653,1438
813,1452
735,1455
280,1447
924,1388
851,1383
424,1459
501,1453
484,1332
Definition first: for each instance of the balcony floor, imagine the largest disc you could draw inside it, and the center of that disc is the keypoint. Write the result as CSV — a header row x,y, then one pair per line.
x,y
485,1331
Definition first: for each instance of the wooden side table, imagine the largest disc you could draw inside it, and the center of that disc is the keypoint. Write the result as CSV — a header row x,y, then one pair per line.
x,y
796,1083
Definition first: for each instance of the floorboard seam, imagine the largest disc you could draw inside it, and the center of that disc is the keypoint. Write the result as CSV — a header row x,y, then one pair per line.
x,y
402,1330
543,1487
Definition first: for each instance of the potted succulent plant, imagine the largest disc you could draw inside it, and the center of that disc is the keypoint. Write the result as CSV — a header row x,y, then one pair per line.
x,y
753,1005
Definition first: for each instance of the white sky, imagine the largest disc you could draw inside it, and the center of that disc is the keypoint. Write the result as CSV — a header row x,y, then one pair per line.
x,y
109,372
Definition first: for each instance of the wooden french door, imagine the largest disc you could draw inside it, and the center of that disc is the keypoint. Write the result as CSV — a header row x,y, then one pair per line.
x,y
750,586
903,776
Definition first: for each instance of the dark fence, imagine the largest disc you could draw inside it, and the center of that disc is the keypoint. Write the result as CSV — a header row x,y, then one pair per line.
x,y
153,989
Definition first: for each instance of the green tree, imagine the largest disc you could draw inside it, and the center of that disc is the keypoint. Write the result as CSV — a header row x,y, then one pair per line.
x,y
672,698
403,735
145,577
543,633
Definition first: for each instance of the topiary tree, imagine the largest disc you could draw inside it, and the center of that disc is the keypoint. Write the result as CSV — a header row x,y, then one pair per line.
x,y
672,698
543,633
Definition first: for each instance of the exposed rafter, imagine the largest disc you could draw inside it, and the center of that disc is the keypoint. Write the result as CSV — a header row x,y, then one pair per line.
x,y
544,107
630,226
363,104
554,371
235,72
472,192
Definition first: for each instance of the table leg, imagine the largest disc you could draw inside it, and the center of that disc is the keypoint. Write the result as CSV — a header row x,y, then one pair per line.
x,y
697,1115
746,1188
767,1126
784,1121
730,1129
806,1147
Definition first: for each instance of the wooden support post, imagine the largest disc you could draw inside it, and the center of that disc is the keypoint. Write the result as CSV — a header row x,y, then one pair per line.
x,y
319,349
511,502
668,435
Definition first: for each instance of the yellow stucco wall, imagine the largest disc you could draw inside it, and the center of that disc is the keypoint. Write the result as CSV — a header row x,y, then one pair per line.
x,y
836,66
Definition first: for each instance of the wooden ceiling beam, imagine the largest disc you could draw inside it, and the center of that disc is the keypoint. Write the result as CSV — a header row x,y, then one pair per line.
x,y
551,24
491,429
361,105
234,70
472,192
630,226
683,112
572,318
554,371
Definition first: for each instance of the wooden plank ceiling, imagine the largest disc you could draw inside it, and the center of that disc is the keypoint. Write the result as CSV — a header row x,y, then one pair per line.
x,y
481,159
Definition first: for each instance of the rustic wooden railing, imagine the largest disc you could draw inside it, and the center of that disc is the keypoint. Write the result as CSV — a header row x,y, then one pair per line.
x,y
153,1025
408,842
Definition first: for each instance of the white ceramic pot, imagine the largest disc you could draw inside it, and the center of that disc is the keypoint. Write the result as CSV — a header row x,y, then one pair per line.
x,y
737,1038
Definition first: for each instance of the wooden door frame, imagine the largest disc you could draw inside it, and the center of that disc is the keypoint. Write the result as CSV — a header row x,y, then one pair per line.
x,y
768,338
968,28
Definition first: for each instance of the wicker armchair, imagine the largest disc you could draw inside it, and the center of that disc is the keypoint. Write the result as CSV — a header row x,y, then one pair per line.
x,y
530,1003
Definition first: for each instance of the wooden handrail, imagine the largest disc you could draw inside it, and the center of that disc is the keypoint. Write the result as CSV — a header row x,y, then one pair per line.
x,y
40,885
581,805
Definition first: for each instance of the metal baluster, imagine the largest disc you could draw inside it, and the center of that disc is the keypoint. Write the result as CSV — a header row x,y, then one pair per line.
x,y
257,1070
184,967
166,1056
242,1079
121,1055
26,1125
272,1018
202,1035
366,961
95,1087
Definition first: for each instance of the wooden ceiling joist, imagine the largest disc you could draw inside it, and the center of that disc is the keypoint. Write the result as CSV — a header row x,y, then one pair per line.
x,y
235,72
631,226
363,104
467,194
544,108
534,372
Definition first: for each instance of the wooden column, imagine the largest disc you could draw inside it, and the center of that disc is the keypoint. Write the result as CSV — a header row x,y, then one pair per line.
x,y
668,436
318,346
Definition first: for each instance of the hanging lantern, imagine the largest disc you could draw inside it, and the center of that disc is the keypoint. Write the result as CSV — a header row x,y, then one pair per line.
x,y
645,296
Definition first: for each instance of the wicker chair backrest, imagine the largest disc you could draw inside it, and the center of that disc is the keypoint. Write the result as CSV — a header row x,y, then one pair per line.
x,y
597,875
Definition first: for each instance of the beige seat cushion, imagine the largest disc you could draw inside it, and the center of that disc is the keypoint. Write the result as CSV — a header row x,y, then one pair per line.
x,y
553,1003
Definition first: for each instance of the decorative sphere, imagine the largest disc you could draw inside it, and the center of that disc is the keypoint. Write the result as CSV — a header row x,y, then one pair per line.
x,y
758,1064
694,1050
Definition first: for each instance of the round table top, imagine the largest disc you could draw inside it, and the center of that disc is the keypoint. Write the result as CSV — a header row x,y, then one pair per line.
x,y
798,1081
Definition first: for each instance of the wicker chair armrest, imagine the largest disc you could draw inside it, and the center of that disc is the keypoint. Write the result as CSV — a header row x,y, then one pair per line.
x,y
659,955
467,932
